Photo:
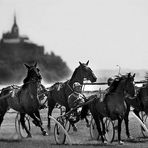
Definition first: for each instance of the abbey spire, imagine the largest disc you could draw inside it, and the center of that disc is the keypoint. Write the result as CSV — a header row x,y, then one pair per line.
x,y
15,29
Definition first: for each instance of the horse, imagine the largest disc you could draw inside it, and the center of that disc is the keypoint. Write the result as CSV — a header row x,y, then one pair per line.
x,y
113,105
24,99
60,91
139,103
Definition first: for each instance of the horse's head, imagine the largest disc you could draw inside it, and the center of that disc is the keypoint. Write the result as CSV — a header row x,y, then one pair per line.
x,y
33,73
124,84
129,86
86,72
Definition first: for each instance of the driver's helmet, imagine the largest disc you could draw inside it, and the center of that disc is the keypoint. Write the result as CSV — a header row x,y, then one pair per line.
x,y
109,81
76,84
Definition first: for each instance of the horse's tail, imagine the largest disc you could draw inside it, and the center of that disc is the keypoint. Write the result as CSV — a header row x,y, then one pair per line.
x,y
85,111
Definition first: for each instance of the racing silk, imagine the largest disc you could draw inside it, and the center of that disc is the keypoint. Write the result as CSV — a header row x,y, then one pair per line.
x,y
75,99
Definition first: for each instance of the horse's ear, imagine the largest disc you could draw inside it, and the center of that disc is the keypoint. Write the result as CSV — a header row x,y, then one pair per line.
x,y
27,66
134,75
87,62
35,64
80,63
129,74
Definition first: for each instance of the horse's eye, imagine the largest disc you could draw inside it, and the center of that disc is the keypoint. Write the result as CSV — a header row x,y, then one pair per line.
x,y
38,70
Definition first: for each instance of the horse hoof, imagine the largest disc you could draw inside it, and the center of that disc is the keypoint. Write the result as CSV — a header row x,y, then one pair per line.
x,y
45,133
88,125
29,136
130,138
75,129
121,142
105,142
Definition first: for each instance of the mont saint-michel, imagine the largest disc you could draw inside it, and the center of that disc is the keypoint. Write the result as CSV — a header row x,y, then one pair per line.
x,y
15,50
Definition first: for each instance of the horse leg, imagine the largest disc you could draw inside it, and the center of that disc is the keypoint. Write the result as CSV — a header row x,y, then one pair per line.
x,y
126,120
71,122
42,129
87,122
38,122
1,118
119,130
84,114
51,105
22,121
103,125
137,113
97,121
37,114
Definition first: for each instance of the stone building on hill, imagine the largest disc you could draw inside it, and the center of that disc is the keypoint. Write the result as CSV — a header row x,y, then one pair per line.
x,y
15,50
13,45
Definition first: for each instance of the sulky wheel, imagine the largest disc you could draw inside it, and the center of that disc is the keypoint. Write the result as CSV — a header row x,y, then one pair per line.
x,y
144,118
59,135
20,131
109,129
93,130
67,124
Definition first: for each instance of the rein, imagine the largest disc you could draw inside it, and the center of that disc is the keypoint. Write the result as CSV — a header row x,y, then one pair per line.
x,y
69,86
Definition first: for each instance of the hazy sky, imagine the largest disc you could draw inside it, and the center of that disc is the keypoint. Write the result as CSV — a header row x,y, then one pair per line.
x,y
106,32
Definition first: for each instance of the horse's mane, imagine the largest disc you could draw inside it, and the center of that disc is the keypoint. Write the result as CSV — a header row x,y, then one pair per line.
x,y
26,79
116,82
114,85
74,73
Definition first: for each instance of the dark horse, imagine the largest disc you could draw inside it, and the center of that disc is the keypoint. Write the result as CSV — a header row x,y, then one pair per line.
x,y
114,105
24,100
60,91
139,103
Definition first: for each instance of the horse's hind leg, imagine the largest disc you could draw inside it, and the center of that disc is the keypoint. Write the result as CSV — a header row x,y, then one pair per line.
x,y
22,120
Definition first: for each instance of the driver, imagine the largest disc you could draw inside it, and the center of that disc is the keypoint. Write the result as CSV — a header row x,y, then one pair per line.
x,y
76,98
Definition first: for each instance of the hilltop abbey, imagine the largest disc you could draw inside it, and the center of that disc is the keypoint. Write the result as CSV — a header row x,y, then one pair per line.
x,y
12,45
15,50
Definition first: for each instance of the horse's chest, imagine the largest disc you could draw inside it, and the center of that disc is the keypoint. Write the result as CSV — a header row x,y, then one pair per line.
x,y
116,105
23,101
